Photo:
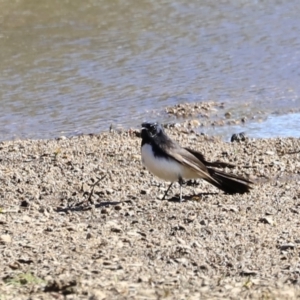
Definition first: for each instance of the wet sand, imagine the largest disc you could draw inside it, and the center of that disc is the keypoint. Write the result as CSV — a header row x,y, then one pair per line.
x,y
80,217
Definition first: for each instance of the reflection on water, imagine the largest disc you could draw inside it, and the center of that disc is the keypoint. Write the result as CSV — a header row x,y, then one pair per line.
x,y
78,66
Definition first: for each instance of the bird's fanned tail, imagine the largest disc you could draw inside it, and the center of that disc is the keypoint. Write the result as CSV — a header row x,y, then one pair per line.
x,y
230,183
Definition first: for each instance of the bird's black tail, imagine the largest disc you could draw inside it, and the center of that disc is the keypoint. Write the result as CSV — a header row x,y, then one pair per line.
x,y
229,183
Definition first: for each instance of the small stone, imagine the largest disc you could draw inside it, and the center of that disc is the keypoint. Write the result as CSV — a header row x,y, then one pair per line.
x,y
203,222
270,152
116,229
27,219
133,233
194,123
270,212
196,244
98,295
72,228
238,137
193,137
184,261
181,241
144,192
85,187
5,238
203,267
15,265
89,236
267,220
24,203
143,279
247,272
42,209
231,208
190,219
287,246
109,191
179,227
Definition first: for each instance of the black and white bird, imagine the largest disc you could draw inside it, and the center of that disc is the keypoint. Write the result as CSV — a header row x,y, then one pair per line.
x,y
169,161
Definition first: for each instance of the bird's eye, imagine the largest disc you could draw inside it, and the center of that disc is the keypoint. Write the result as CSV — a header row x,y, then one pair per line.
x,y
153,127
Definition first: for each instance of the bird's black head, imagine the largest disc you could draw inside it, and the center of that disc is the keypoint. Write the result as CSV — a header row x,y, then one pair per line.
x,y
151,130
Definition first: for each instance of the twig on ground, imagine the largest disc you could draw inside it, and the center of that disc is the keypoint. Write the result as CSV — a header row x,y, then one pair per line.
x,y
92,190
293,152
88,200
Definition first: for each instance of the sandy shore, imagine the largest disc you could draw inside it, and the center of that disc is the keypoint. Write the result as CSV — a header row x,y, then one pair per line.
x,y
125,243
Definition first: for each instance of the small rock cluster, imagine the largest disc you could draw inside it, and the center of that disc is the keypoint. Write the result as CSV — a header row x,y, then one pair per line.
x,y
211,113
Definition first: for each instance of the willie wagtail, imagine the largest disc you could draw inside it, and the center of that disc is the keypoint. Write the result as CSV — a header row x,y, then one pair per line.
x,y
169,161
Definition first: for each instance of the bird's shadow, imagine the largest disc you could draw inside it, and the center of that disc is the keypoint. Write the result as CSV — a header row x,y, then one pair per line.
x,y
84,206
88,203
189,197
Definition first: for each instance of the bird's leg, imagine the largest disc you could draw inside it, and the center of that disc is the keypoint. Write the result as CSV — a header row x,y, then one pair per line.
x,y
180,182
163,198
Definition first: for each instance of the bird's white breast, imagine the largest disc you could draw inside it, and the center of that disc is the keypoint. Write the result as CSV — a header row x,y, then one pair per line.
x,y
166,169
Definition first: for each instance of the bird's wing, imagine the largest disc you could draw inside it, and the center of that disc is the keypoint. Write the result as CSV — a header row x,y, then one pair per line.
x,y
217,164
186,158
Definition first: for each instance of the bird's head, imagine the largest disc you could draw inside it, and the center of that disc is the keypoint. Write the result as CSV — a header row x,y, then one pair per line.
x,y
150,130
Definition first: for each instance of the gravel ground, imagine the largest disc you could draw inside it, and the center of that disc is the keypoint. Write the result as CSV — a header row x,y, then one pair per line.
x,y
80,218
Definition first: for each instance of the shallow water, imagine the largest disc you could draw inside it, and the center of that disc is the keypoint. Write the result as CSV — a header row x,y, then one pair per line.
x,y
71,67
274,126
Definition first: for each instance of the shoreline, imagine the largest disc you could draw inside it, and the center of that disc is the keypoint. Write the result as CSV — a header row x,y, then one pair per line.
x,y
209,116
126,243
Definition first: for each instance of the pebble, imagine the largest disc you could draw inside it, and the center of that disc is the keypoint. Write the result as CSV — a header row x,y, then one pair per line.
x,y
24,203
238,137
116,229
227,115
194,123
268,220
247,272
27,219
287,246
61,138
5,239
270,153
98,295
